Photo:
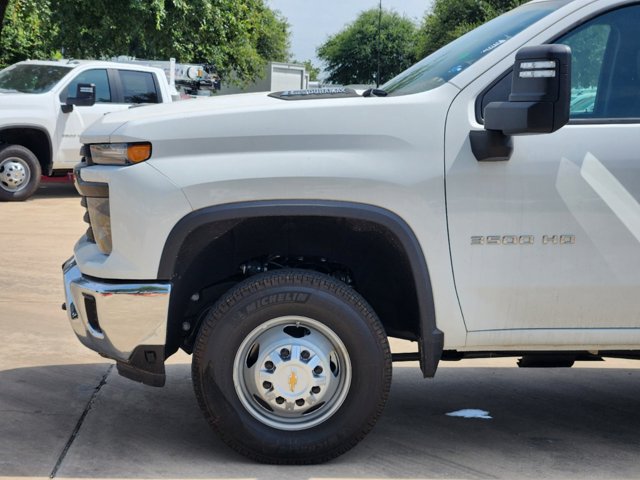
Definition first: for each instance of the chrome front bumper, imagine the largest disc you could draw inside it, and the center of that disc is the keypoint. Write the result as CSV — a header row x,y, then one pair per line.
x,y
117,319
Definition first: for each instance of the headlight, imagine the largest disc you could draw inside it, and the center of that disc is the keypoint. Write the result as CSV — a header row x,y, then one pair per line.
x,y
120,153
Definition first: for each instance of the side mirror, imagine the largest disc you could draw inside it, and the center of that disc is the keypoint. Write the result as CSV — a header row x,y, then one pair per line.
x,y
85,95
538,103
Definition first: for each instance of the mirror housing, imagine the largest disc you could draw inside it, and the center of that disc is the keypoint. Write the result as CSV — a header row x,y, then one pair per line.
x,y
539,102
85,95
540,93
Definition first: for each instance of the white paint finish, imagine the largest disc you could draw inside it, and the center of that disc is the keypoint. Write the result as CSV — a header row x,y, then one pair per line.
x,y
621,202
376,151
541,191
144,207
608,234
592,340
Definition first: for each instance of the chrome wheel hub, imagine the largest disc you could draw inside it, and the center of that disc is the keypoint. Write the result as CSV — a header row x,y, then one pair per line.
x,y
14,174
292,373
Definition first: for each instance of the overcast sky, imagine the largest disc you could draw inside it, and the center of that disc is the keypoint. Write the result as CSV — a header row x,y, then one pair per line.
x,y
312,22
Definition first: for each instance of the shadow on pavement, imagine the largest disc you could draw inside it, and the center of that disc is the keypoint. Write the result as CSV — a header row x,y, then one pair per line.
x,y
55,190
551,423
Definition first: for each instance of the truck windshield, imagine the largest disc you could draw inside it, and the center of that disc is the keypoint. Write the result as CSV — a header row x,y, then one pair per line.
x,y
27,78
444,64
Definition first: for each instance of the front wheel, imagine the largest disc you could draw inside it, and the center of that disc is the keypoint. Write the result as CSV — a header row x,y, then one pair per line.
x,y
292,367
19,173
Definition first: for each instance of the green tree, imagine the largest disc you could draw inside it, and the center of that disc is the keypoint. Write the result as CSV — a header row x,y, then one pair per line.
x,y
273,39
449,19
3,9
351,56
236,36
310,68
26,30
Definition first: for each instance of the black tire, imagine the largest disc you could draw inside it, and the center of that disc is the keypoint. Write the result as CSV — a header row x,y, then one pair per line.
x,y
310,307
20,173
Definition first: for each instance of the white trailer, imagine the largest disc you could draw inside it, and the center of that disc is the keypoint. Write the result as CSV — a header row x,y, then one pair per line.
x,y
277,76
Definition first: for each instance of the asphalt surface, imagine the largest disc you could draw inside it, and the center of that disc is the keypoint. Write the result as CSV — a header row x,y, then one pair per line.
x,y
65,412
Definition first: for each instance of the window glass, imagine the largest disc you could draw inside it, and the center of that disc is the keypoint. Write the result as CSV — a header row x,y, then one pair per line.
x,y
605,68
98,77
31,78
138,87
444,64
587,49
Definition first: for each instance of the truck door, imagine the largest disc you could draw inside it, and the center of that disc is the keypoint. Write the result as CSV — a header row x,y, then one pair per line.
x,y
71,125
548,242
116,89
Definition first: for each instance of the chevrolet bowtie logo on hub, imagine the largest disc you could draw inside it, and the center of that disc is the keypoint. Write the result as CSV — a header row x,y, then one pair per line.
x,y
293,380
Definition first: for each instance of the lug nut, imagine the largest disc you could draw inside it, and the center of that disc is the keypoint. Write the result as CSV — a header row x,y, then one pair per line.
x,y
305,355
315,390
317,370
279,400
267,385
300,402
269,365
284,353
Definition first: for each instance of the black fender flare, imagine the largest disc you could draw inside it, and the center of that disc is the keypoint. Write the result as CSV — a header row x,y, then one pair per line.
x,y
47,163
431,338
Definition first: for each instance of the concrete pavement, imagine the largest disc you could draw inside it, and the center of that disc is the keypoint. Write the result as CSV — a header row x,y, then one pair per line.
x,y
64,411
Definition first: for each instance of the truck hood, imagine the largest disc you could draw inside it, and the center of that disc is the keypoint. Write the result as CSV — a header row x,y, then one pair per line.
x,y
176,112
22,109
116,126
234,126
21,100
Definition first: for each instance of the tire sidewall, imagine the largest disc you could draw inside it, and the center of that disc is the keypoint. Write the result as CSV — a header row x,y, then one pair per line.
x,y
31,161
349,320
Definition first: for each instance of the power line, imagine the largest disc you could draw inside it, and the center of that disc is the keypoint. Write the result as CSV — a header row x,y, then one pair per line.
x,y
379,34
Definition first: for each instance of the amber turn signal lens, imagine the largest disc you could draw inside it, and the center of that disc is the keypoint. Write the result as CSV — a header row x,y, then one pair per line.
x,y
138,152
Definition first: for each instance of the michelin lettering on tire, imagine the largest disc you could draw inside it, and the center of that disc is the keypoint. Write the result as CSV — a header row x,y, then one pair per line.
x,y
290,297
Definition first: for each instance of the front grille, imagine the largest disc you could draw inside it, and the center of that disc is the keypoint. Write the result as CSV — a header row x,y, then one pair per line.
x,y
87,219
95,200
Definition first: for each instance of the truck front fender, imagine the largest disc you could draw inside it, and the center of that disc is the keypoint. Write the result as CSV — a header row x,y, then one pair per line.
x,y
431,339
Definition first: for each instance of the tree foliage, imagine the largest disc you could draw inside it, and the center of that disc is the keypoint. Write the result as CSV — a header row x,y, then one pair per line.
x,y
3,8
310,68
26,31
351,56
449,19
239,36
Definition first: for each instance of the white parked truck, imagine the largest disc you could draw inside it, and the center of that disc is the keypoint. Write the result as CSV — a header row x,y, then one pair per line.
x,y
43,112
41,116
282,238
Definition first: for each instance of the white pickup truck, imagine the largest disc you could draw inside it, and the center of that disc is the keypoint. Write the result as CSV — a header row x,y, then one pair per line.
x,y
282,238
41,118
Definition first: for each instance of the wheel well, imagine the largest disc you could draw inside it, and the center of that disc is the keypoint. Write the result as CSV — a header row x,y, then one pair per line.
x,y
369,256
34,139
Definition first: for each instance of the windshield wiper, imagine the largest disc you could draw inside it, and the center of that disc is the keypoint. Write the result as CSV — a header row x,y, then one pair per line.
x,y
8,90
374,92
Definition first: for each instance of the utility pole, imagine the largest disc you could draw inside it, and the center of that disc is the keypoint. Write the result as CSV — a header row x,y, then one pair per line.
x,y
379,34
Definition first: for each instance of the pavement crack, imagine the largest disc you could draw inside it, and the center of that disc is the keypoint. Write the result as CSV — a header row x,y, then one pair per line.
x,y
78,426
